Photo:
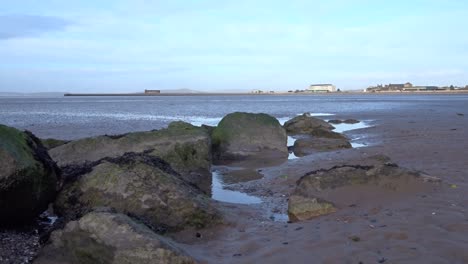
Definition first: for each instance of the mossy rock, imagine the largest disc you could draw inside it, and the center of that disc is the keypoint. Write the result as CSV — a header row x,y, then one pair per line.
x,y
104,237
186,147
28,176
247,135
306,124
139,185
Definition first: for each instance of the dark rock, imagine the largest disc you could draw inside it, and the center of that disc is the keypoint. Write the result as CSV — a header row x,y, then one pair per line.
x,y
335,121
355,238
325,133
305,124
140,185
102,237
351,121
185,147
246,135
307,146
29,179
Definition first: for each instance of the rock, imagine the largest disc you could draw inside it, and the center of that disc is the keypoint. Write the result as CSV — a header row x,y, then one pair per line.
x,y
187,148
246,135
50,143
302,206
335,121
306,201
347,121
103,237
28,176
305,124
325,133
351,121
307,146
140,185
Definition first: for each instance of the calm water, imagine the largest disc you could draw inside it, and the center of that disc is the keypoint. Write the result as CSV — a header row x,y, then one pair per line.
x,y
77,117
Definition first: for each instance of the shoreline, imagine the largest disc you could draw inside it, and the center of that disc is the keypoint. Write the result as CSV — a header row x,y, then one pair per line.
x,y
267,94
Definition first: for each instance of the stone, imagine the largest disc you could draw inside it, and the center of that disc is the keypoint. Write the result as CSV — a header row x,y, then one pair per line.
x,y
351,121
104,237
187,148
50,143
29,179
335,121
326,133
307,146
378,172
140,185
305,124
240,136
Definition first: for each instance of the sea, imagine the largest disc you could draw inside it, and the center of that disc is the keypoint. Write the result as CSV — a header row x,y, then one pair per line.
x,y
78,117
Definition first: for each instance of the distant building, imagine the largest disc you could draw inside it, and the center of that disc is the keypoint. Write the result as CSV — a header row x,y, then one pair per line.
x,y
321,88
257,91
152,91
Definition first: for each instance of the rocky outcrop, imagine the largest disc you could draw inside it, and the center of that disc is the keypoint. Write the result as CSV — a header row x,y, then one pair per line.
x,y
305,124
246,135
347,121
307,146
187,148
28,177
307,201
50,143
103,237
325,133
140,185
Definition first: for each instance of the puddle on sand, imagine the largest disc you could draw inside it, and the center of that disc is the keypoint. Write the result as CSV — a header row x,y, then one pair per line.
x,y
219,193
278,217
340,128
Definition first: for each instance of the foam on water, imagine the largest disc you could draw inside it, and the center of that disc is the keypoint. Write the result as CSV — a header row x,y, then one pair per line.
x,y
219,193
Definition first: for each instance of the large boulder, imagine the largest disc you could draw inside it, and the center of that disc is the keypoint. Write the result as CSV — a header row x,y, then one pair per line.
x,y
307,146
305,124
28,177
311,196
103,237
187,148
246,135
140,185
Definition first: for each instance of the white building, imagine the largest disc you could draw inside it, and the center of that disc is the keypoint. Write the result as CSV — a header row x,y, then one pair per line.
x,y
321,88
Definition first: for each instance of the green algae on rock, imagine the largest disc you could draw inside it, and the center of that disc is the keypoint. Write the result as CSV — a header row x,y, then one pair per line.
x,y
305,124
104,237
28,177
140,185
187,148
247,135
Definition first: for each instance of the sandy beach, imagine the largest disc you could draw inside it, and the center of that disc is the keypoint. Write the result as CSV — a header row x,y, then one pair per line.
x,y
418,225
415,223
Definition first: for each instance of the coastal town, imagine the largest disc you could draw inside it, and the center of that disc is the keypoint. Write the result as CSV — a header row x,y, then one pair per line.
x,y
392,87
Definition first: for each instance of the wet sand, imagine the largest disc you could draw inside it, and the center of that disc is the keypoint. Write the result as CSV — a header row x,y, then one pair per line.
x,y
421,224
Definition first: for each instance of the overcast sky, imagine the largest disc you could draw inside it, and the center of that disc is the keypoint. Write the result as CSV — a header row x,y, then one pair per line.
x,y
131,45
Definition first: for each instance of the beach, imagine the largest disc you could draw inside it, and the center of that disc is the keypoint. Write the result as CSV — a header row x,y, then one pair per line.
x,y
419,224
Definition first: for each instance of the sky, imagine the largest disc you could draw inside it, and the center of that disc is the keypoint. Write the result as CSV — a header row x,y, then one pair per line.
x,y
212,45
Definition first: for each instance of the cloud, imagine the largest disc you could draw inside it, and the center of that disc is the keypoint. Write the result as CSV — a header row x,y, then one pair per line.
x,y
16,26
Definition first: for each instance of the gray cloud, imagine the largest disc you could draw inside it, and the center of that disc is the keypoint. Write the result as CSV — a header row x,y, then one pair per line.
x,y
15,26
